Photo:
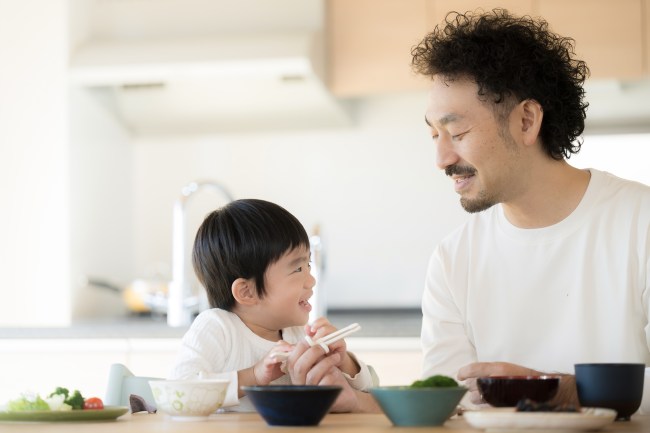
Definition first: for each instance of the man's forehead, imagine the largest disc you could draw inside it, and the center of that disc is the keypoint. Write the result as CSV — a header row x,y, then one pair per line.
x,y
442,120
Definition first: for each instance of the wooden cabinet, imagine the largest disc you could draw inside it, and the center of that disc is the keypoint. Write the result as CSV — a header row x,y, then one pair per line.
x,y
608,35
369,45
437,9
369,41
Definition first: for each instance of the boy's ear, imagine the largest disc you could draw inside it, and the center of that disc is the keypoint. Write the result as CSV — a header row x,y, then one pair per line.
x,y
243,290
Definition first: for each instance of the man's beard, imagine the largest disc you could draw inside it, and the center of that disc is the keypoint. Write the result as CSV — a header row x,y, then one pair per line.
x,y
482,202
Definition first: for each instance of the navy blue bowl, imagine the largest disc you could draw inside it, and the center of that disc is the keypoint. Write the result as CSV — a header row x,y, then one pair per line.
x,y
292,404
617,386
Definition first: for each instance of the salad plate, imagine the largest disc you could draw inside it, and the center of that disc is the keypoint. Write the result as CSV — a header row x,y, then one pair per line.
x,y
108,413
508,419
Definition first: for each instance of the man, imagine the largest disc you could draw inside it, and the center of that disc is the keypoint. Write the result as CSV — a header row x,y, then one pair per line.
x,y
552,268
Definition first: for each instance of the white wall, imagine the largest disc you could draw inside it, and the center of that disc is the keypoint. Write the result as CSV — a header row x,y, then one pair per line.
x,y
374,189
625,155
90,201
34,228
101,205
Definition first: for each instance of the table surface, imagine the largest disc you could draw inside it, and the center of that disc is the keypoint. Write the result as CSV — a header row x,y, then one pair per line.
x,y
252,422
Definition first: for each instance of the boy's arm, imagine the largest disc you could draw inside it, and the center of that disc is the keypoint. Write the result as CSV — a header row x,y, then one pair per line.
x,y
264,371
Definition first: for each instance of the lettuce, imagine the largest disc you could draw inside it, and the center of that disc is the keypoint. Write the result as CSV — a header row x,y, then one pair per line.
x,y
28,402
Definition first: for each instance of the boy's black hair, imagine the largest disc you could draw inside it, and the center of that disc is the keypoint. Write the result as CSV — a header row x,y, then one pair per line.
x,y
241,240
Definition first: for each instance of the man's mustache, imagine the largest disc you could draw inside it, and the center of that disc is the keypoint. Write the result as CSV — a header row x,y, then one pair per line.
x,y
460,170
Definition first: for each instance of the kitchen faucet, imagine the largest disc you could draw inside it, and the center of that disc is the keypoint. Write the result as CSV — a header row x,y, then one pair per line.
x,y
181,304
318,301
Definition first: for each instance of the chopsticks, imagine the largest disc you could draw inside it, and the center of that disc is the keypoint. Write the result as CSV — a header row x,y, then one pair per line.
x,y
324,341
328,339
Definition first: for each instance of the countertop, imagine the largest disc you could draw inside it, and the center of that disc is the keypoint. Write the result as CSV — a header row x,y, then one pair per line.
x,y
252,422
375,323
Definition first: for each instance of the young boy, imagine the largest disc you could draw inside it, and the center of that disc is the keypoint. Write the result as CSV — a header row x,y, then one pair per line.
x,y
252,257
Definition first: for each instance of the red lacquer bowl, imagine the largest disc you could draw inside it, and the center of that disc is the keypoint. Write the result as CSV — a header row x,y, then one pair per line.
x,y
501,391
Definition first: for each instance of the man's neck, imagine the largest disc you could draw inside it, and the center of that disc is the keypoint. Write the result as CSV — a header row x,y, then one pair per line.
x,y
555,190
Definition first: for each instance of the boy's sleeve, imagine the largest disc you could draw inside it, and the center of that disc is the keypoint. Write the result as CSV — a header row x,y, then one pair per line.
x,y
366,377
202,354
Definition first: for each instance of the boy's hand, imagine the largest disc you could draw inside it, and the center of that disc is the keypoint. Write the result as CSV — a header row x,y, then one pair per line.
x,y
322,327
269,368
311,366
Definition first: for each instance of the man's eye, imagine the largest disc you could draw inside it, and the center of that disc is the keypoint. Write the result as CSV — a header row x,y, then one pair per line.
x,y
434,137
298,269
458,136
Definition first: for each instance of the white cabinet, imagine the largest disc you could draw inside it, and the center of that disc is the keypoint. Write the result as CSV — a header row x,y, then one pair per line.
x,y
40,365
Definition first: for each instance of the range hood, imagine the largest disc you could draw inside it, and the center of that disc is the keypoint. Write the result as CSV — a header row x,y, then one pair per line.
x,y
217,84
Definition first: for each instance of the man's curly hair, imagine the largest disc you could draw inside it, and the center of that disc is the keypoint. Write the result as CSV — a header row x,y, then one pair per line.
x,y
513,58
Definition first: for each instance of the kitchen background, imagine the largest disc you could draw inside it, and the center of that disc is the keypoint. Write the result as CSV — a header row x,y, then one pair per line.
x,y
110,107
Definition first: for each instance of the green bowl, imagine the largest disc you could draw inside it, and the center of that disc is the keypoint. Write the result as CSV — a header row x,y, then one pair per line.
x,y
406,406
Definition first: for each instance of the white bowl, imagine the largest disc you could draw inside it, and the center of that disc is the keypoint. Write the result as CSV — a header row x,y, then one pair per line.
x,y
189,400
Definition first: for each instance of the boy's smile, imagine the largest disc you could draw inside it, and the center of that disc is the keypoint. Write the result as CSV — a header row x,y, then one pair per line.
x,y
289,286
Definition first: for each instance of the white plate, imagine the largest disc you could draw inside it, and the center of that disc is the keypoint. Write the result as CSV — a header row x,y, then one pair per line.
x,y
507,419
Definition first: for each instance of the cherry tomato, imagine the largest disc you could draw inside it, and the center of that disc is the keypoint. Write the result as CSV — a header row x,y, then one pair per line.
x,y
93,403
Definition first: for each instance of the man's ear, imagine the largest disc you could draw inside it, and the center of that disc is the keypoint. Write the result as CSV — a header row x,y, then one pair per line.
x,y
531,113
243,290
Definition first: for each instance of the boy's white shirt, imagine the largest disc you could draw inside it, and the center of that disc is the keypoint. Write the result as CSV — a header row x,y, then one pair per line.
x,y
218,345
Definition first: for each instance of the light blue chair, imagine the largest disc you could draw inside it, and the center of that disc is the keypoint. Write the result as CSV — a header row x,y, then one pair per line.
x,y
122,383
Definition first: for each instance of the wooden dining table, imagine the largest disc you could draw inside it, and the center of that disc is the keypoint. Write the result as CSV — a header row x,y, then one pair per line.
x,y
253,422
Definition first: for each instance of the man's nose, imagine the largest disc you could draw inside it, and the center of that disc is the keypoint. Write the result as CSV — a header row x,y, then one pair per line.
x,y
445,153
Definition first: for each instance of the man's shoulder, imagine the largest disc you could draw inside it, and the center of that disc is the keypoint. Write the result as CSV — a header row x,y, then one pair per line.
x,y
612,182
619,193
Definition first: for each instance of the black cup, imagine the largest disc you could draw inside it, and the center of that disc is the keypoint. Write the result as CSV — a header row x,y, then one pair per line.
x,y
614,386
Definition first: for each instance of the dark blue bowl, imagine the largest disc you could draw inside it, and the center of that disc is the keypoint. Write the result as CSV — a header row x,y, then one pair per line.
x,y
617,386
292,404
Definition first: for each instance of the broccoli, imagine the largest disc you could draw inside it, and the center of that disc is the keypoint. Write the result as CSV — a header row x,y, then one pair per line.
x,y
62,391
76,400
437,381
